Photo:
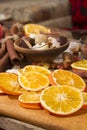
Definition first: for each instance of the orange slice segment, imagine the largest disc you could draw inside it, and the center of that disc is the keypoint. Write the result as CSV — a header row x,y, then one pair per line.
x,y
35,68
33,81
30,100
82,65
35,29
64,77
85,100
62,100
9,84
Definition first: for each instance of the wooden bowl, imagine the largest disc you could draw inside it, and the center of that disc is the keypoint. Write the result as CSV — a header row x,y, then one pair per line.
x,y
40,55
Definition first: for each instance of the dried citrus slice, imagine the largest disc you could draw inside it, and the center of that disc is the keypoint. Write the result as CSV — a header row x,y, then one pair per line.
x,y
51,80
82,65
85,100
30,100
36,68
2,92
35,29
19,71
61,99
33,81
64,77
9,84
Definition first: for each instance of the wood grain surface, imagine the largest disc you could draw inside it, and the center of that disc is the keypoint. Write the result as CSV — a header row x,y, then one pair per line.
x,y
9,107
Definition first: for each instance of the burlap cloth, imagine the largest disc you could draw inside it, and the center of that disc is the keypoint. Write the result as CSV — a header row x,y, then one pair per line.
x,y
9,107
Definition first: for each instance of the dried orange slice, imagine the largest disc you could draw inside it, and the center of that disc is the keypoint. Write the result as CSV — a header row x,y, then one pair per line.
x,y
82,65
19,71
30,100
36,68
33,81
2,92
9,84
35,29
62,100
85,100
64,77
51,80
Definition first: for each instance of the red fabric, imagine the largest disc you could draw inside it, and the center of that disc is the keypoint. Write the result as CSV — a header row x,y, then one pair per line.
x,y
79,13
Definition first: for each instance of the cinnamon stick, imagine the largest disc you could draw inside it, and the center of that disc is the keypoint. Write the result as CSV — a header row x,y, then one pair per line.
x,y
17,28
13,55
4,62
2,51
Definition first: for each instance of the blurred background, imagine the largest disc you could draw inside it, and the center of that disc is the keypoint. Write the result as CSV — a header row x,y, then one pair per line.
x,y
54,13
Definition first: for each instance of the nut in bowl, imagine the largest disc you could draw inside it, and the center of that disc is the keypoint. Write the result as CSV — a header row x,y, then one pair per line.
x,y
41,47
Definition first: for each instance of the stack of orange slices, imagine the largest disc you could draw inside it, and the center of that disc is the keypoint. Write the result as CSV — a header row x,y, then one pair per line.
x,y
65,96
32,78
30,100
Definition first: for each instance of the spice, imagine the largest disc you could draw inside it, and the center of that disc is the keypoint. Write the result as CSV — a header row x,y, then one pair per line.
x,y
67,60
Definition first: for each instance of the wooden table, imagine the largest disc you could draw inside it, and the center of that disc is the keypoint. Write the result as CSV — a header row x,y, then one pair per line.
x,y
10,108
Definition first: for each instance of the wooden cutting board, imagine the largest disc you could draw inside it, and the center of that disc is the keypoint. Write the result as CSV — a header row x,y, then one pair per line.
x,y
9,107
